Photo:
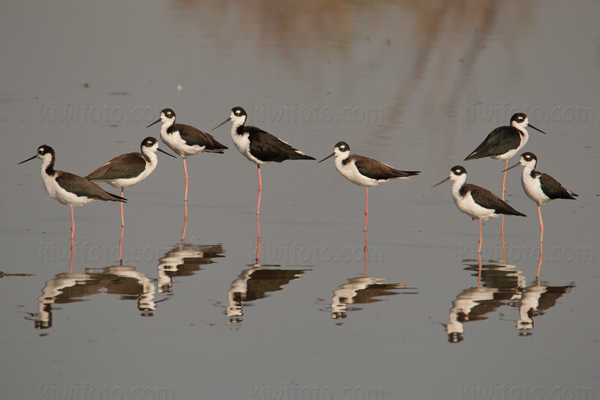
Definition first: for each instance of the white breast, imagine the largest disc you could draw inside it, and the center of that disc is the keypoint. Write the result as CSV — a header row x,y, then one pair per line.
x,y
468,206
350,172
61,195
178,145
242,142
532,188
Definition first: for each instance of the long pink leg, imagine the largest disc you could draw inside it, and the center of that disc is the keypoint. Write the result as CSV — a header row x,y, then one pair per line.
x,y
541,231
502,227
72,224
504,180
186,179
122,218
259,191
480,237
479,254
367,210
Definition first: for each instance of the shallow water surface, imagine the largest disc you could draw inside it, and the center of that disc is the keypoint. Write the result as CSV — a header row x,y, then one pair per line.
x,y
301,303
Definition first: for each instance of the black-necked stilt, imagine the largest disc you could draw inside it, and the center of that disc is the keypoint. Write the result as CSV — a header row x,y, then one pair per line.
x,y
364,171
185,140
504,142
67,188
540,187
128,169
259,146
475,201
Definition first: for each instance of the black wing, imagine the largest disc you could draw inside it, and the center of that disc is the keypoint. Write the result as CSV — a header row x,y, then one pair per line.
x,y
489,200
553,189
122,167
82,187
378,170
267,147
497,143
195,137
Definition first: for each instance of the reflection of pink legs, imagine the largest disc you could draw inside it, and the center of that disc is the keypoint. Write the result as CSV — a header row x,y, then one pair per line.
x,y
72,224
479,274
503,242
185,221
122,218
186,179
367,209
72,254
537,275
121,245
366,253
259,191
259,240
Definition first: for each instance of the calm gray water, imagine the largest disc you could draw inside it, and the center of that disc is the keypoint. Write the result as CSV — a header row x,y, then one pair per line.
x,y
414,85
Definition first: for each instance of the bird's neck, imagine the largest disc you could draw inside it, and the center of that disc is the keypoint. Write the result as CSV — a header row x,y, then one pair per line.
x,y
457,187
48,167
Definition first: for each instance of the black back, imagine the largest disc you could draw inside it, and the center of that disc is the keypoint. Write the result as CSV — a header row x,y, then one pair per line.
x,y
488,200
195,137
552,188
498,142
267,147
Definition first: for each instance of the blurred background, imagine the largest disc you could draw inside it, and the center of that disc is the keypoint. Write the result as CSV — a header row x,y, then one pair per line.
x,y
417,85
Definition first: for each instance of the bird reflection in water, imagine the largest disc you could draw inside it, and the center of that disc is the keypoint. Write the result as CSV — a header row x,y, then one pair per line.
x,y
185,260
496,284
257,282
536,299
121,280
363,290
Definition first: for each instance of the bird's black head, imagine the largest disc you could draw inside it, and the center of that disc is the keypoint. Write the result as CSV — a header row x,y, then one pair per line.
x,y
238,111
528,156
342,146
45,149
44,152
149,142
518,118
458,170
169,113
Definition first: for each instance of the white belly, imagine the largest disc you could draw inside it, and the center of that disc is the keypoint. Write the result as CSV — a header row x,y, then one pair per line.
x,y
350,172
468,206
178,145
533,190
242,142
61,195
